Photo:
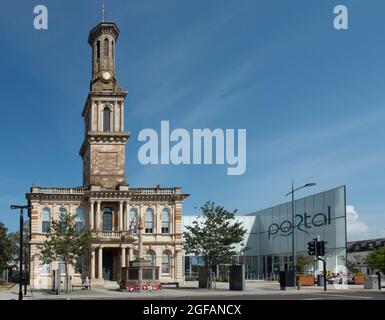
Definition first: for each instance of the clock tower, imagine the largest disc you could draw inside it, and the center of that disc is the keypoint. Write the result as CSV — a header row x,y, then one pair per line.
x,y
103,149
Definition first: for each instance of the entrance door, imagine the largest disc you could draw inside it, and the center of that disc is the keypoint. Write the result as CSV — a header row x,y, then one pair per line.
x,y
107,265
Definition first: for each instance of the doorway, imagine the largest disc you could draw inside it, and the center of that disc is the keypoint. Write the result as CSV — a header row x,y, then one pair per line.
x,y
108,262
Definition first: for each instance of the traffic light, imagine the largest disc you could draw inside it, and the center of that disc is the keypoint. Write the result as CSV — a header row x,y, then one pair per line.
x,y
320,248
311,248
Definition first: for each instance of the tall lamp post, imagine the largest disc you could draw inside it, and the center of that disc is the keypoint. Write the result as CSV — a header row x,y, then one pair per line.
x,y
292,221
20,249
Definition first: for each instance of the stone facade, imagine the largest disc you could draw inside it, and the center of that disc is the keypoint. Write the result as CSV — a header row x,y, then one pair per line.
x,y
105,203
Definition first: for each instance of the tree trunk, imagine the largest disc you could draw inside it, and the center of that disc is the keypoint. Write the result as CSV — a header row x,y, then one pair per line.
x,y
66,278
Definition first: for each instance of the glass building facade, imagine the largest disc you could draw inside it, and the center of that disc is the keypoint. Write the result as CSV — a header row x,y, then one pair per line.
x,y
269,235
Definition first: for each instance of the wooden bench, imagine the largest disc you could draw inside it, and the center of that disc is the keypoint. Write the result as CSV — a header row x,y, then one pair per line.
x,y
83,286
170,284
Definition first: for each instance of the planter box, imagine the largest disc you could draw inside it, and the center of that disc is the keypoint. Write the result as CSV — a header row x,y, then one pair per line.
x,y
306,280
359,279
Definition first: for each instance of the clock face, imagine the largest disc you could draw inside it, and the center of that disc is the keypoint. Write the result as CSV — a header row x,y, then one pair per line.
x,y
106,75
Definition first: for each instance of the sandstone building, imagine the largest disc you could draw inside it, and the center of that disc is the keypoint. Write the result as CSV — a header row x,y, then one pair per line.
x,y
105,203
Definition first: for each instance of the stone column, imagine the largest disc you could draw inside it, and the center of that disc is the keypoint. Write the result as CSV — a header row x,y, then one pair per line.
x,y
120,215
91,215
100,264
99,116
121,116
127,226
93,262
98,216
130,253
123,258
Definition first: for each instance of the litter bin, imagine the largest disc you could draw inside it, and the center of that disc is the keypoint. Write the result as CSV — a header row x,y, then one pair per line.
x,y
286,279
320,280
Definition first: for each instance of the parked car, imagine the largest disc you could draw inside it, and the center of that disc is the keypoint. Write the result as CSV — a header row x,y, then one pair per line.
x,y
340,279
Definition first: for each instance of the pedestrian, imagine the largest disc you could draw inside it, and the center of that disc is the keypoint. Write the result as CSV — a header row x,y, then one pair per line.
x,y
87,283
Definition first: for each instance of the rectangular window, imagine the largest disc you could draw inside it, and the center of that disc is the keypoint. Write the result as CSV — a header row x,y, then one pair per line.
x,y
45,226
79,265
165,228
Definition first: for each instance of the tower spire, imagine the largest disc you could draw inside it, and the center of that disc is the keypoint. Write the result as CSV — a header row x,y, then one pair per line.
x,y
103,12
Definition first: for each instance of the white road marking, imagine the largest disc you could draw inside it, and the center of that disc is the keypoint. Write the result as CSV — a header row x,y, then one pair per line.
x,y
342,295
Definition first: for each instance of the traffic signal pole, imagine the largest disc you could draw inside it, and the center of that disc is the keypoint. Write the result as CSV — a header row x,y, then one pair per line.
x,y
324,267
317,248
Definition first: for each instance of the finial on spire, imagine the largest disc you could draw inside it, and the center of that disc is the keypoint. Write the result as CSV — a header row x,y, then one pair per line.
x,y
103,12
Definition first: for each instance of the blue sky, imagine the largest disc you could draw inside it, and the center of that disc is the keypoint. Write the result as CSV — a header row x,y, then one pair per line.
x,y
311,98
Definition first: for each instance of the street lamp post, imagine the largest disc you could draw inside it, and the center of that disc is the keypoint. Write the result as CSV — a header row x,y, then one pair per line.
x,y
20,249
292,223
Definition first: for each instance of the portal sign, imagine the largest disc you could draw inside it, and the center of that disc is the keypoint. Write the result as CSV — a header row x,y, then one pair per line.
x,y
301,223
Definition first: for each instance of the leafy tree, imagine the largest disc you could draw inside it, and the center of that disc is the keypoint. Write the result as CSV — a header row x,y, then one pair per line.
x,y
303,261
376,259
65,243
14,237
5,247
215,236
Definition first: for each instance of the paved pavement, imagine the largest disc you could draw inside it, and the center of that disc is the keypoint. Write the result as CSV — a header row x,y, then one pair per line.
x,y
255,290
13,293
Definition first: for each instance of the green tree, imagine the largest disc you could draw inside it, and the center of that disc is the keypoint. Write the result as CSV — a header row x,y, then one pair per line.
x,y
303,261
65,243
376,259
5,247
14,237
215,236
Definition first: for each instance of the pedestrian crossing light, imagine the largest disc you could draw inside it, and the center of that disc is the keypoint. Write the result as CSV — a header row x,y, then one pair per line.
x,y
311,248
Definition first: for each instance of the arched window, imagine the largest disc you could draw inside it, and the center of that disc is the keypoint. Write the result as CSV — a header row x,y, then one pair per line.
x,y
98,50
45,220
150,256
165,220
106,47
166,258
149,220
107,219
79,219
133,220
106,119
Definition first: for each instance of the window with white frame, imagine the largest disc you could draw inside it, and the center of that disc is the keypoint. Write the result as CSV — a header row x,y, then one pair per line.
x,y
150,256
79,219
45,220
133,220
166,258
149,221
165,220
